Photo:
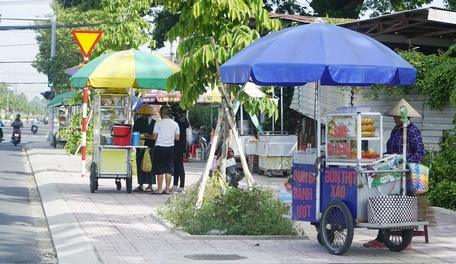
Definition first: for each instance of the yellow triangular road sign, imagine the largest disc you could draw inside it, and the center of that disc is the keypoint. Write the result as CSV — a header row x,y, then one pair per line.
x,y
86,40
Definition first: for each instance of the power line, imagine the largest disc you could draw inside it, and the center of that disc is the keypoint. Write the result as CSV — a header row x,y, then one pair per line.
x,y
1,62
16,45
27,82
35,27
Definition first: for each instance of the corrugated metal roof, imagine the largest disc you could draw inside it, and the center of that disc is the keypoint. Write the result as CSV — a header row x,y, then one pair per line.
x,y
426,29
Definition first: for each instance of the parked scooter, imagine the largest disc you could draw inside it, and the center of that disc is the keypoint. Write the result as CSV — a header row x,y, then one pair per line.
x,y
34,129
233,175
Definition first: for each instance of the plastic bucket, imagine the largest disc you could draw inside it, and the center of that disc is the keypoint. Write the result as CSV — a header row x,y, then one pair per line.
x,y
198,154
135,138
121,134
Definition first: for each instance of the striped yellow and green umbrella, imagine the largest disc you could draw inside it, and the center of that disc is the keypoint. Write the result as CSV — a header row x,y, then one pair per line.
x,y
125,69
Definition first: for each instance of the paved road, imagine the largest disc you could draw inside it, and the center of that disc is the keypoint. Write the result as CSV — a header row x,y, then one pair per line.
x,y
112,226
24,233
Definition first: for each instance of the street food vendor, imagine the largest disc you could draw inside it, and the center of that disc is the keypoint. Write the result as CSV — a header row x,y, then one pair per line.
x,y
145,126
415,148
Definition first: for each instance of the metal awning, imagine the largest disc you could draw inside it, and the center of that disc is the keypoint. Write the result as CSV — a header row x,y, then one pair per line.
x,y
427,30
63,99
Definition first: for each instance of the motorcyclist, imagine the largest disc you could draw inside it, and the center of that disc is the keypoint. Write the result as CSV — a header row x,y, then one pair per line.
x,y
34,124
17,123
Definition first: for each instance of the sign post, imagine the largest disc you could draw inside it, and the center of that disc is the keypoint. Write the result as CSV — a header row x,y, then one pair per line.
x,y
86,40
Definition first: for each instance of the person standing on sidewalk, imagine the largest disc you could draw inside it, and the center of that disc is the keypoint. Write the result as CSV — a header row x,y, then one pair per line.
x,y
415,148
180,147
145,126
166,132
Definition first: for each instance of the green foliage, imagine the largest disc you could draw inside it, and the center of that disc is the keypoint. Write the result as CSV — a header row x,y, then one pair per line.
x,y
121,22
340,9
73,135
239,212
18,103
442,177
435,79
200,115
380,7
291,7
226,25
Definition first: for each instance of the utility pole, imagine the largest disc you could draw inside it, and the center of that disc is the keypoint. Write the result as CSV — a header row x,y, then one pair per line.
x,y
53,40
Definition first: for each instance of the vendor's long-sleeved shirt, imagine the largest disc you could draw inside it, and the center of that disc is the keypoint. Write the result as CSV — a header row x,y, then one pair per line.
x,y
415,146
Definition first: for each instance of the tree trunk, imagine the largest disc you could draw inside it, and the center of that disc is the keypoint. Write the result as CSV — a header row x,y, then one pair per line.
x,y
203,179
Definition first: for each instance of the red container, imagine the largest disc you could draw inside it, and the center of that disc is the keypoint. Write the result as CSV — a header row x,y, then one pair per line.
x,y
121,134
194,147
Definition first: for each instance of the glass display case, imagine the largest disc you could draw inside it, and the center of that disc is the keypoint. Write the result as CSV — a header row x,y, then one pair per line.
x,y
110,109
353,138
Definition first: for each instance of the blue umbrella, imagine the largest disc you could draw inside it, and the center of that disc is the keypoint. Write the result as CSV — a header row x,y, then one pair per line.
x,y
321,52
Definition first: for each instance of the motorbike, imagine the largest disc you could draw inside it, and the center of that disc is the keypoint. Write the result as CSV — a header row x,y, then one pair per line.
x,y
233,175
34,129
16,137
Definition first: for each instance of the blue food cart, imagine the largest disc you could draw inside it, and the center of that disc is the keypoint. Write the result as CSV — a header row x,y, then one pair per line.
x,y
347,187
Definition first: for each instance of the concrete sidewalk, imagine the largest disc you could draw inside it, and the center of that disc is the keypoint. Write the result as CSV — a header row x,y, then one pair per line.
x,y
111,226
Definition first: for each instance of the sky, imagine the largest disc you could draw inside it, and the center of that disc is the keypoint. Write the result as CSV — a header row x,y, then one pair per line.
x,y
18,47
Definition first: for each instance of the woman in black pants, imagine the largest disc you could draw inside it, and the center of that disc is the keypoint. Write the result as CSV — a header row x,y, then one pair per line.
x,y
180,147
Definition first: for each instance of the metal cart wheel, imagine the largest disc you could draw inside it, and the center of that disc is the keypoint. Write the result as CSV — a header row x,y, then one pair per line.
x,y
330,235
93,177
337,228
396,239
118,184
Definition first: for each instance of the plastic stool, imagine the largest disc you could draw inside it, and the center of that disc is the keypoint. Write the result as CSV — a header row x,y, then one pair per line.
x,y
422,233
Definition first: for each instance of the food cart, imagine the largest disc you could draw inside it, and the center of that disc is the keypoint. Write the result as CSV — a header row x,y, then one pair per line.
x,y
111,150
112,112
333,192
353,185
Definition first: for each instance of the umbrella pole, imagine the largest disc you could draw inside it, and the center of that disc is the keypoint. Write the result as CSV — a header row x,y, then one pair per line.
x,y
405,121
318,178
84,129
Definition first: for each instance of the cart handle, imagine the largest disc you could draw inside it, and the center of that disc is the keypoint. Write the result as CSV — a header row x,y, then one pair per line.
x,y
381,171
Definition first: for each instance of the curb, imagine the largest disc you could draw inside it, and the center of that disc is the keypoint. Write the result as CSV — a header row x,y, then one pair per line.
x,y
184,235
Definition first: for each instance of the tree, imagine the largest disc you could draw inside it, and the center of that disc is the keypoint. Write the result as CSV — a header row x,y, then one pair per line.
x,y
434,78
289,7
164,20
16,103
211,32
120,21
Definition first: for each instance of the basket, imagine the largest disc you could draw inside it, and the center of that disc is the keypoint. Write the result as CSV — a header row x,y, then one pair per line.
x,y
392,209
419,175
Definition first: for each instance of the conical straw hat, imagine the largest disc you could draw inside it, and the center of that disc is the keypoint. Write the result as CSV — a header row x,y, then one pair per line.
x,y
145,110
395,110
